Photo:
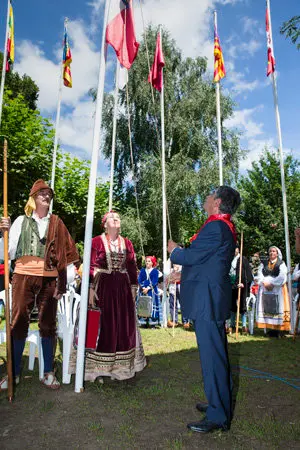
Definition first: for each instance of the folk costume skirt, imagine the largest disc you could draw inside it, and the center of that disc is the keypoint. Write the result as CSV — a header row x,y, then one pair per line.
x,y
119,353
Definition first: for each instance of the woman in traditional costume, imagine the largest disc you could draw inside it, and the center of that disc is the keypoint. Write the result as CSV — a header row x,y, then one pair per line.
x,y
148,285
119,353
273,306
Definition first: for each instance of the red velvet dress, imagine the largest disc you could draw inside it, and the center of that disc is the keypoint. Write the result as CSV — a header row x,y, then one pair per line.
x,y
119,352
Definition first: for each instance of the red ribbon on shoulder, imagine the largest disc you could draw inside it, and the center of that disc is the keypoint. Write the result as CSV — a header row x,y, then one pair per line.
x,y
224,217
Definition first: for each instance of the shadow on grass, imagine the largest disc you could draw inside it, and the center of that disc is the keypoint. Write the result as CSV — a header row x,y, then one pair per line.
x,y
152,409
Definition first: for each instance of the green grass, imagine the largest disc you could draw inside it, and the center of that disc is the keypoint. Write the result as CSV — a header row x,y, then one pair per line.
x,y
151,410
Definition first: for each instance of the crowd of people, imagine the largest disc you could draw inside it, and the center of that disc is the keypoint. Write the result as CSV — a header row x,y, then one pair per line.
x,y
208,280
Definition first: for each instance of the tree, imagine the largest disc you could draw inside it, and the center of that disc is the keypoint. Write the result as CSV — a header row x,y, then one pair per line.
x,y
30,143
261,215
30,150
71,195
291,29
21,85
191,140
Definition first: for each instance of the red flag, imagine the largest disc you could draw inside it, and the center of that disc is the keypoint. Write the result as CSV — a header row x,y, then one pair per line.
x,y
271,59
120,33
156,73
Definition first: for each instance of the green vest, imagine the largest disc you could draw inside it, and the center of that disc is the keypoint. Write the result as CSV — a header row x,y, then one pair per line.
x,y
30,243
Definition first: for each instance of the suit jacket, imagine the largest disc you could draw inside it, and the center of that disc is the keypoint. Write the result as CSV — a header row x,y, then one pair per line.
x,y
205,282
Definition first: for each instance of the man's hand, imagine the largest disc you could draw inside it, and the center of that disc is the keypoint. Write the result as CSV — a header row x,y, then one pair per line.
x,y
91,297
5,224
173,277
240,285
57,295
268,286
145,290
171,245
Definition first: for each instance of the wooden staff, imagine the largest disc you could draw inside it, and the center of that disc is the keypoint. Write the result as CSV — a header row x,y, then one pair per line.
x,y
239,289
297,319
6,281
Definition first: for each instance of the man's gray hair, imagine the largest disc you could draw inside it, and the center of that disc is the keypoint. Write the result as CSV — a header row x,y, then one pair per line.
x,y
230,199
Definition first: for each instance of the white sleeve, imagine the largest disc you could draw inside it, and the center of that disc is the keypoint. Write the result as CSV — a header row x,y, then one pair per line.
x,y
296,273
259,277
14,236
167,267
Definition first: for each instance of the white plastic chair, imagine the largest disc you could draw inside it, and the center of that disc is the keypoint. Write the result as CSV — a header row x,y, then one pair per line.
x,y
34,339
295,312
251,302
66,317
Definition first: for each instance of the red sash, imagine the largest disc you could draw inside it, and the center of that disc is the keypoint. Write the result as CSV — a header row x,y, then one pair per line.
x,y
1,269
224,217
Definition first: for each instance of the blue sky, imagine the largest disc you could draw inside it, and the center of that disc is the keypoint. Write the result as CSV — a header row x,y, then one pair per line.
x,y
38,40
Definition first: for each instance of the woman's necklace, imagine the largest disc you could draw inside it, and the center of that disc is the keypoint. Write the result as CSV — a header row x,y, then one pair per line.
x,y
114,245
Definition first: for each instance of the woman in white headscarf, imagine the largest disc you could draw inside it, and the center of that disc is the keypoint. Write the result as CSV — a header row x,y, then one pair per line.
x,y
273,306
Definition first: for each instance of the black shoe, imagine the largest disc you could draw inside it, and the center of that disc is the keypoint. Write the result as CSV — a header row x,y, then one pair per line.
x,y
202,407
206,426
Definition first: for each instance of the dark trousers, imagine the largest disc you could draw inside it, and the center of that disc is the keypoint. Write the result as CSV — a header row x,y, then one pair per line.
x,y
25,288
171,303
212,344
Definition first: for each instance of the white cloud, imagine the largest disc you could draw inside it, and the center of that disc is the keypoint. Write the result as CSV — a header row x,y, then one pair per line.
x,y
243,120
190,25
256,148
76,124
243,50
46,73
252,26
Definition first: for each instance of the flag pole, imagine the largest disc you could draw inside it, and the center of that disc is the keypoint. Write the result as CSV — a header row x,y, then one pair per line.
x,y
164,200
56,133
57,125
284,201
90,212
218,108
4,62
6,282
113,144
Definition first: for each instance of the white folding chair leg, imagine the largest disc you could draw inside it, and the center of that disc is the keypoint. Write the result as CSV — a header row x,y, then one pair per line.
x,y
32,349
66,379
41,359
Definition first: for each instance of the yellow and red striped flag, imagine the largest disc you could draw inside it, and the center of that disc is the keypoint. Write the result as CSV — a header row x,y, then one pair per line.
x,y
271,59
219,67
10,47
67,59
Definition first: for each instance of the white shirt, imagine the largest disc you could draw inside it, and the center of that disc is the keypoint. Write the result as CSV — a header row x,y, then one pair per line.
x,y
15,232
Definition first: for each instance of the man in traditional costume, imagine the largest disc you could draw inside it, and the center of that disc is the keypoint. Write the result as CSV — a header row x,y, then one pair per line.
x,y
206,299
42,248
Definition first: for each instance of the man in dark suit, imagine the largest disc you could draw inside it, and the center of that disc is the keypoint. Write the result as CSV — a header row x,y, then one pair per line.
x,y
206,299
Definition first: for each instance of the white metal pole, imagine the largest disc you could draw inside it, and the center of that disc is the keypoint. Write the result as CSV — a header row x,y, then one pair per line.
x,y
218,108
164,200
113,144
4,62
285,213
90,213
56,131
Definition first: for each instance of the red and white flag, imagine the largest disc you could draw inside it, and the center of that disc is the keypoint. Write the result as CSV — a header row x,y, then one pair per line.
x,y
271,59
120,33
156,72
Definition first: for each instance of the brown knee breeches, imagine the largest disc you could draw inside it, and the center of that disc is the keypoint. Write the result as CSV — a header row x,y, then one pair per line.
x,y
24,290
